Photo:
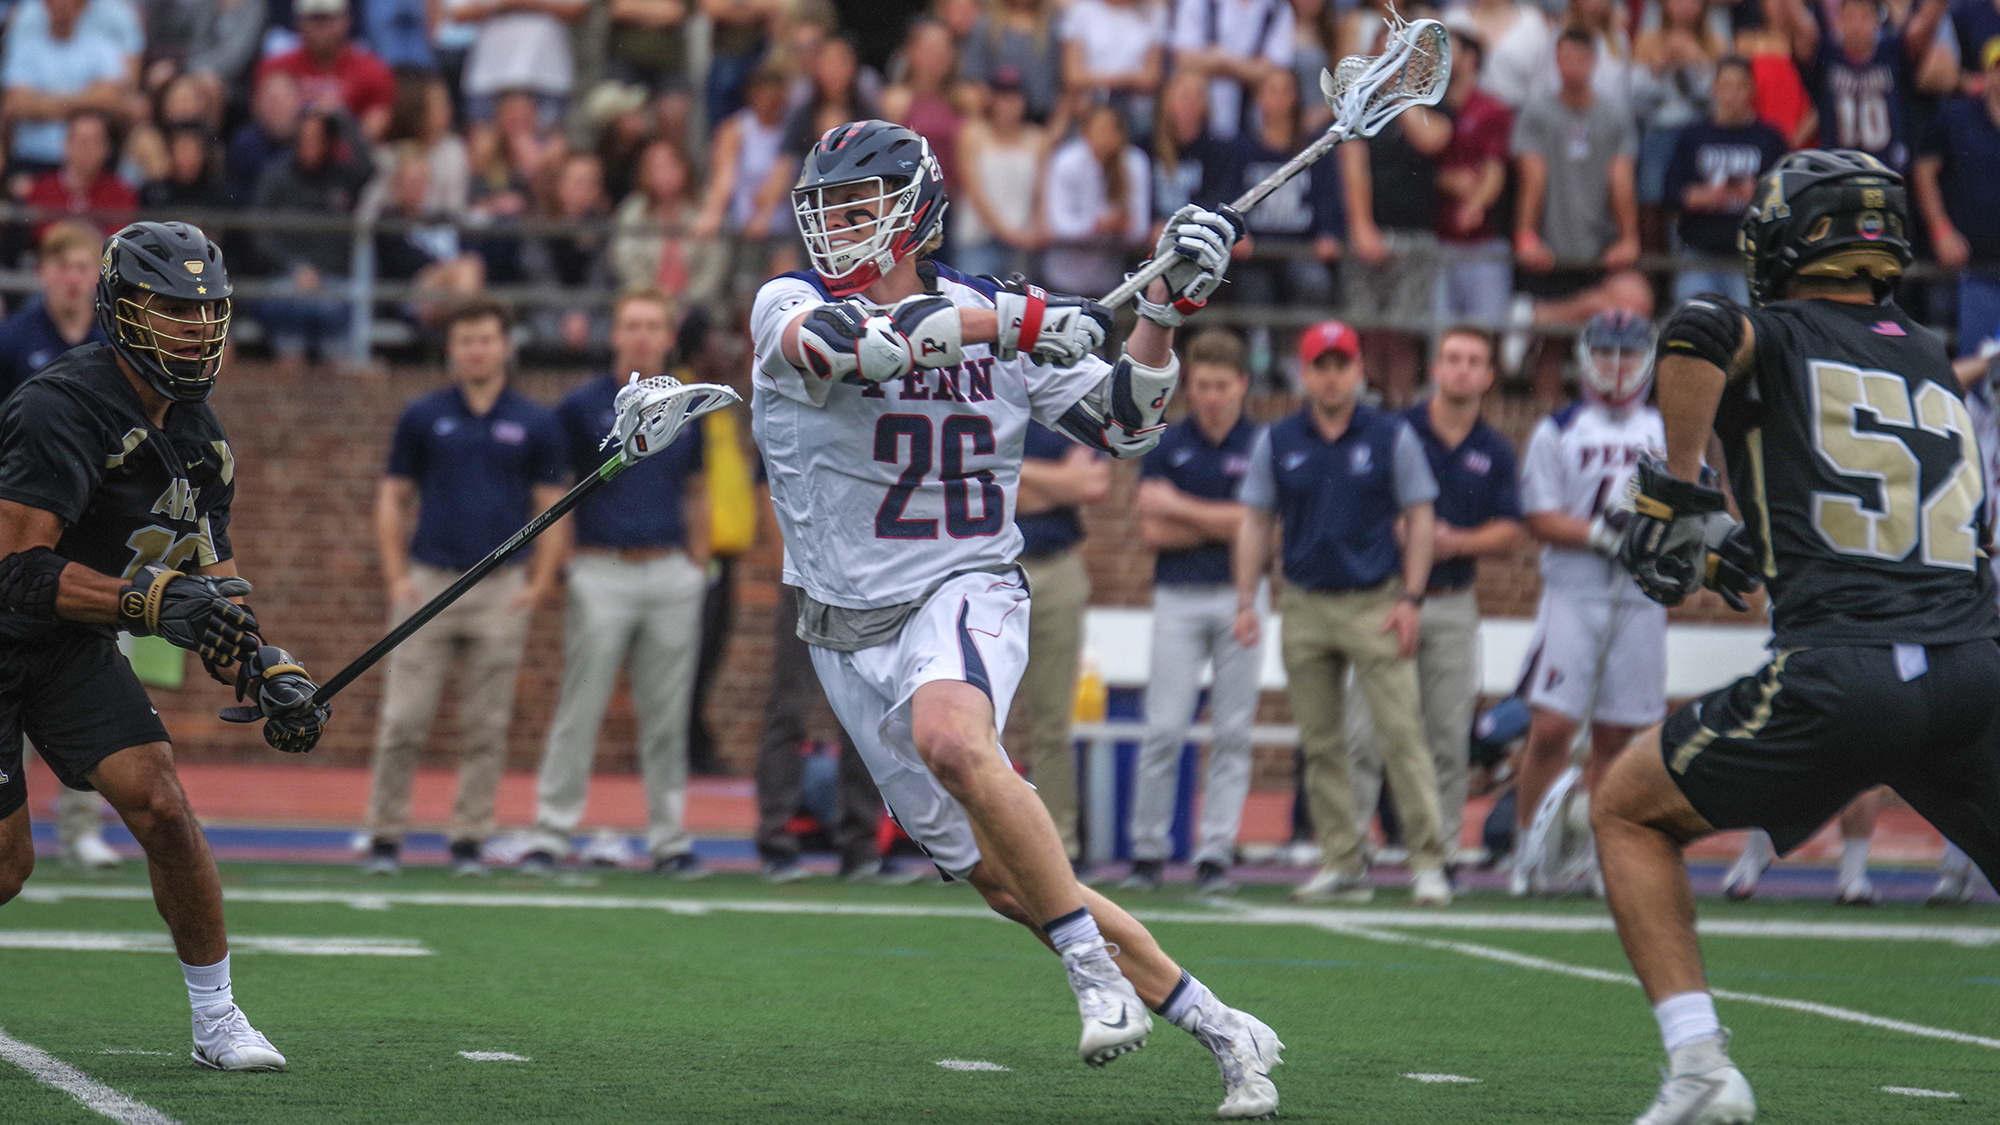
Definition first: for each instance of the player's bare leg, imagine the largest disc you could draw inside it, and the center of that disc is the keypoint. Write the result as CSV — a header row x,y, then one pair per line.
x,y
141,785
1857,831
1642,822
17,853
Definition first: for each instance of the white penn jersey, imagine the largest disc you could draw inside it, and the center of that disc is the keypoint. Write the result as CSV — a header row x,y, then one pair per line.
x,y
1579,461
886,489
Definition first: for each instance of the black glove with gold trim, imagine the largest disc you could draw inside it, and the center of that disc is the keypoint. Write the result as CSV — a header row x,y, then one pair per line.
x,y
282,696
192,611
1666,544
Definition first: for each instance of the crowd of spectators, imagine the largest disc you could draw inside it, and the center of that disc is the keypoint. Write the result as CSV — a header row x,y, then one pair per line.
x,y
540,143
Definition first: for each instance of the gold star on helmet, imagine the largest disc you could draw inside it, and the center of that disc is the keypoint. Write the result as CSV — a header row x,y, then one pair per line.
x,y
202,289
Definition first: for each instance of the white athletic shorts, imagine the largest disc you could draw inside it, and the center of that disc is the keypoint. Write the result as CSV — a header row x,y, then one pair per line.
x,y
1570,637
974,629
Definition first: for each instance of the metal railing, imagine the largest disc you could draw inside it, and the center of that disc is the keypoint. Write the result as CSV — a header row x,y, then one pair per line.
x,y
365,292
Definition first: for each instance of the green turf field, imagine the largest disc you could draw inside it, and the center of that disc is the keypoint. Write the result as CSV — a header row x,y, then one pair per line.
x,y
631,999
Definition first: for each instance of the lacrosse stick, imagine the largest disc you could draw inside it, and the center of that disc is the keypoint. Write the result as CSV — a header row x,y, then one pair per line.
x,y
650,413
1365,92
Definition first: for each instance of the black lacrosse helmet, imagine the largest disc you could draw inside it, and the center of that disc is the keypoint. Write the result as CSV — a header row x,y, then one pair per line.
x,y
147,265
1826,213
907,201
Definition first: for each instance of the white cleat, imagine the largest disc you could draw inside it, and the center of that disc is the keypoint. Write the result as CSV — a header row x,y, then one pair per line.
x,y
226,1041
1718,1097
90,850
1711,1091
1953,888
1855,892
1430,888
1742,880
1245,1050
1115,1021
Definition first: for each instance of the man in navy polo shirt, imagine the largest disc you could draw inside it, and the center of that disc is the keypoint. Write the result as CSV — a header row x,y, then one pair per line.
x,y
1954,188
1058,477
636,583
1188,512
479,459
64,316
1341,476
1478,515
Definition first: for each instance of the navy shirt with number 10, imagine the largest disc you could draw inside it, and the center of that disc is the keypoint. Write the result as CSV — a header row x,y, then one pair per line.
x,y
1187,460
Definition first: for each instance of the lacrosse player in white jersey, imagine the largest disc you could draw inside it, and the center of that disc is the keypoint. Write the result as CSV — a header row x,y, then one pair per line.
x,y
892,399
1600,649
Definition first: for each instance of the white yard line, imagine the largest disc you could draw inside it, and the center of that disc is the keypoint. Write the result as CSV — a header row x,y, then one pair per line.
x,y
1919,1092
87,941
494,1056
95,1096
1440,1078
971,1064
1584,972
1353,923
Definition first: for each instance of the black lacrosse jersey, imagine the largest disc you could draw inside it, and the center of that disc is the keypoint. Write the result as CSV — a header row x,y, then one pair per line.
x,y
75,441
1854,461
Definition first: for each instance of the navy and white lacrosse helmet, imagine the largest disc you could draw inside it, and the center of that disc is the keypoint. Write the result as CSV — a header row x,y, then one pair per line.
x,y
855,238
1615,353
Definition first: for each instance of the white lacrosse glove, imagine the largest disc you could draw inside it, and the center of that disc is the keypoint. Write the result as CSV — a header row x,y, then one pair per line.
x,y
843,338
648,414
932,328
1055,328
1196,242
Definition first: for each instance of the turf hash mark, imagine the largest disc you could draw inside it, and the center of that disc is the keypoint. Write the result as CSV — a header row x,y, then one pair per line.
x,y
90,942
1919,1092
971,1064
494,1056
95,1096
1440,1078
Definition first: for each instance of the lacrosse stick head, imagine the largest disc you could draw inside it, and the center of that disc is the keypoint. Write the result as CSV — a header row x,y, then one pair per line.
x,y
650,413
1366,92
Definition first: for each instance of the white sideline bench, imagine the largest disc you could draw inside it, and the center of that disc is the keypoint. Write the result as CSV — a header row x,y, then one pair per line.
x,y
1119,641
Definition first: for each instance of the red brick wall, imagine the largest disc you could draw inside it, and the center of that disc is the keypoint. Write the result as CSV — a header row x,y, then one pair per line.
x,y
309,449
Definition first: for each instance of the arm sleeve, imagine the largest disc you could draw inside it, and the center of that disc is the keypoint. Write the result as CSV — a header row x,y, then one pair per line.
x,y
780,300
1414,482
1541,473
406,449
51,452
1260,485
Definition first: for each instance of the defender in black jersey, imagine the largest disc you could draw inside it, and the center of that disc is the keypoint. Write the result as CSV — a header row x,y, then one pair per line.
x,y
115,486
1854,463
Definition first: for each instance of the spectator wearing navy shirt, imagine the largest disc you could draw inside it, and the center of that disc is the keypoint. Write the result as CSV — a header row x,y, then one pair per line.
x,y
1058,477
1341,478
479,459
636,582
1478,511
1711,175
64,316
1953,180
1863,72
1188,512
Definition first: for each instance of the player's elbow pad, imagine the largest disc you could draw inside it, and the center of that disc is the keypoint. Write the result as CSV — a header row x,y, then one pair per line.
x,y
1121,415
1708,327
30,581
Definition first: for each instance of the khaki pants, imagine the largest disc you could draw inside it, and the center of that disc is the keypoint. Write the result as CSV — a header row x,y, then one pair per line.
x,y
1046,699
489,635
1447,688
1324,636
649,611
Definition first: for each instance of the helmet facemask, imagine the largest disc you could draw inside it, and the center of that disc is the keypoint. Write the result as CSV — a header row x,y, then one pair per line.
x,y
176,343
1615,354
875,228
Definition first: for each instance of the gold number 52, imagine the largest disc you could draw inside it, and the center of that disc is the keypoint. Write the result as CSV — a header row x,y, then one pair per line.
x,y
1942,523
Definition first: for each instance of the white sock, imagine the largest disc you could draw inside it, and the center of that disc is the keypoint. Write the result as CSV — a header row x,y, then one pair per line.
x,y
1184,1005
1072,928
208,985
1853,859
1686,1017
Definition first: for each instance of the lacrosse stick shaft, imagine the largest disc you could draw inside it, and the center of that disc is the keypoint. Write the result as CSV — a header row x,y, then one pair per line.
x,y
402,632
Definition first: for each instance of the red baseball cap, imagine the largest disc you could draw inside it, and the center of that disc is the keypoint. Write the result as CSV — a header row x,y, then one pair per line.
x,y
1328,336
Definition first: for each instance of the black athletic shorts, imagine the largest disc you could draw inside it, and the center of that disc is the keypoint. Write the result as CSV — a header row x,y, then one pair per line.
x,y
74,695
1786,749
